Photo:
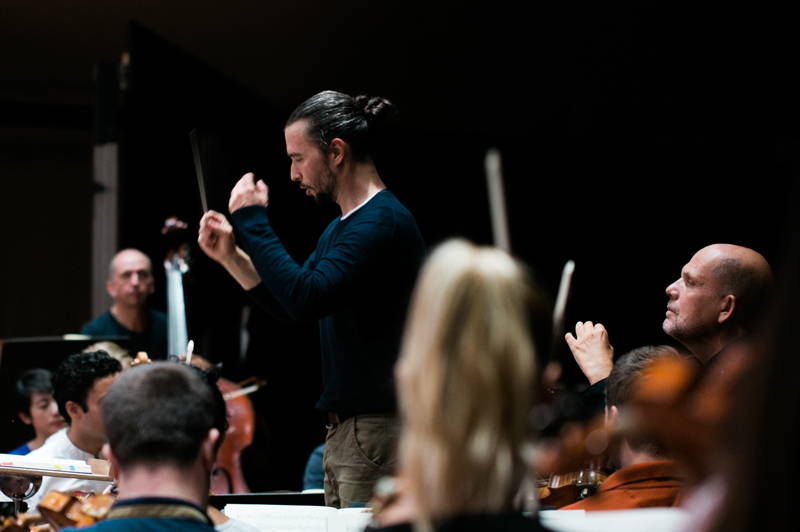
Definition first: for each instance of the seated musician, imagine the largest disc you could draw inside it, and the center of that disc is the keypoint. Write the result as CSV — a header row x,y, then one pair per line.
x,y
712,308
465,382
80,383
646,478
130,284
161,420
37,408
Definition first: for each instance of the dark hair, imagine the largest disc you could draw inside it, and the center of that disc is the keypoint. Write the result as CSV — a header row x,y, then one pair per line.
x,y
210,377
627,370
357,121
77,374
36,380
159,413
629,367
751,287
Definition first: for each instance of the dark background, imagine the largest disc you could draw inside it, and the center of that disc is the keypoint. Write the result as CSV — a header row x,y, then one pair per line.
x,y
632,134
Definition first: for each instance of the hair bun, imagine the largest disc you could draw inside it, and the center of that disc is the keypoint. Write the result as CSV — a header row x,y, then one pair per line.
x,y
375,107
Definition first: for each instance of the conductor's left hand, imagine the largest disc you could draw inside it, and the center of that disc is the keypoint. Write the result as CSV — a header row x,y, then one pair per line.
x,y
247,192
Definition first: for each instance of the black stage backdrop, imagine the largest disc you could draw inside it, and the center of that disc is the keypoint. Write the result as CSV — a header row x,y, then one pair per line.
x,y
631,135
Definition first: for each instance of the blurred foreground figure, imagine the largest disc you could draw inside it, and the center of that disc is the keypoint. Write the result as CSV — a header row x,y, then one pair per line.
x,y
647,477
161,421
757,466
466,384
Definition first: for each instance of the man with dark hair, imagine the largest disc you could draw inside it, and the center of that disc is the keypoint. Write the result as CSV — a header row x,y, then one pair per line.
x,y
162,424
357,282
646,477
714,304
81,381
37,408
130,283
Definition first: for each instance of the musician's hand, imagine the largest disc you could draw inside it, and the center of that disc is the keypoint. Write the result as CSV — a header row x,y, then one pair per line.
x,y
591,350
247,192
217,241
216,237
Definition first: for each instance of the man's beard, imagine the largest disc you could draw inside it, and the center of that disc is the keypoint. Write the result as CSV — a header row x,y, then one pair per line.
x,y
324,195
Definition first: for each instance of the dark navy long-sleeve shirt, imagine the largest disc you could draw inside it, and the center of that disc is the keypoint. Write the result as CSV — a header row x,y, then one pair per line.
x,y
357,282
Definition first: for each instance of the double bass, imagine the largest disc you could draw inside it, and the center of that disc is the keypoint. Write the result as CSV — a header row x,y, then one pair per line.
x,y
227,475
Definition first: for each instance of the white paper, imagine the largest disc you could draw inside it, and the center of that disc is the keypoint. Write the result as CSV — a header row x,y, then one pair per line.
x,y
293,518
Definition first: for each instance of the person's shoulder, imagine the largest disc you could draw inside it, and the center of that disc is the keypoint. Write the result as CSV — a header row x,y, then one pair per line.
x,y
102,324
144,523
157,317
21,450
386,200
384,210
51,445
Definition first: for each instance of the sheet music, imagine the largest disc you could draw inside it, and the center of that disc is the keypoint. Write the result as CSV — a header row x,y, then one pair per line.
x,y
634,520
270,517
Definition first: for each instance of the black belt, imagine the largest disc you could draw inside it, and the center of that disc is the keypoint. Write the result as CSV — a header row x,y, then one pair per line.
x,y
334,419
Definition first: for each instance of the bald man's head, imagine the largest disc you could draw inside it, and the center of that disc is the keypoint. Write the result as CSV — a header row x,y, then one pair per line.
x,y
723,287
745,274
130,280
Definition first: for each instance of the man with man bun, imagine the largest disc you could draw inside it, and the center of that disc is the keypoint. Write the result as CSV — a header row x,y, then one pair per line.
x,y
356,282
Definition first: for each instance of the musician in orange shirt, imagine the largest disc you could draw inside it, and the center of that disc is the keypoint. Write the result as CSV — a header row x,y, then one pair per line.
x,y
647,477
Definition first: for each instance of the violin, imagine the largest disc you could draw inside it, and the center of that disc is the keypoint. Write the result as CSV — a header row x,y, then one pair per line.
x,y
59,510
573,452
557,487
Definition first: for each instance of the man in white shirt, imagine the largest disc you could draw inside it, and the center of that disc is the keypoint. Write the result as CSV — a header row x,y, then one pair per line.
x,y
80,383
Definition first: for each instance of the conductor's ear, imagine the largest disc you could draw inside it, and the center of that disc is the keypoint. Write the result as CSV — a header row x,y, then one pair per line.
x,y
337,150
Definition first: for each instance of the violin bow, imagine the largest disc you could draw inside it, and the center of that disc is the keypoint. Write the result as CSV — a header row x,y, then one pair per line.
x,y
560,307
497,200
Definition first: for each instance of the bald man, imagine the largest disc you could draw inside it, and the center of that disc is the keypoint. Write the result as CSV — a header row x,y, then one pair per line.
x,y
715,302
130,283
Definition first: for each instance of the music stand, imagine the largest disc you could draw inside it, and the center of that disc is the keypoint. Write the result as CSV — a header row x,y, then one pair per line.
x,y
270,497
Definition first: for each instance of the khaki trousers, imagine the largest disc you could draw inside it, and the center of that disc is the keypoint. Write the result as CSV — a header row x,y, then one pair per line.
x,y
358,452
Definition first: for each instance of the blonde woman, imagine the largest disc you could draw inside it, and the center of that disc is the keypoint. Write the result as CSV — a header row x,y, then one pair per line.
x,y
465,381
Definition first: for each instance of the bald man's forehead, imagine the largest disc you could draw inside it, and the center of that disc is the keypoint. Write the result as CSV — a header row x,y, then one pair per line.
x,y
734,251
130,260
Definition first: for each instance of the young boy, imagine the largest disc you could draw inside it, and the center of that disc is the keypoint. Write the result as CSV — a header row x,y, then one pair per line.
x,y
37,407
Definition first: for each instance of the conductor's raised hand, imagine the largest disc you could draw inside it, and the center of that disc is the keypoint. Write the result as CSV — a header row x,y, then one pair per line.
x,y
591,350
215,237
248,192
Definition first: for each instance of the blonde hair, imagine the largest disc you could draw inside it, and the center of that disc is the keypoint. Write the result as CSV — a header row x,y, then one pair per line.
x,y
466,382
114,350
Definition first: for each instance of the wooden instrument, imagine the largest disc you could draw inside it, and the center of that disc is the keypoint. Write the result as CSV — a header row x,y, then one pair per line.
x,y
227,475
62,510
557,487
58,510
